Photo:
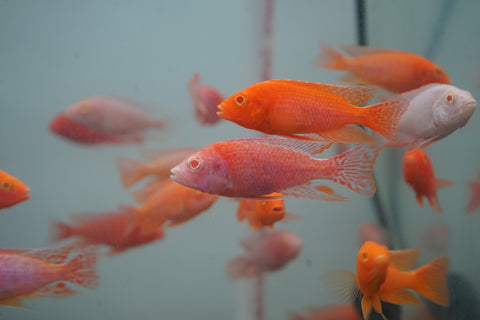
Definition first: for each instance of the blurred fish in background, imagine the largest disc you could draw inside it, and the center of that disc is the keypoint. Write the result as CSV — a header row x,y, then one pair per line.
x,y
205,100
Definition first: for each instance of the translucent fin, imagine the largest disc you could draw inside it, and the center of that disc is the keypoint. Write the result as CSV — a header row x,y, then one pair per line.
x,y
442,183
347,134
54,290
53,255
342,284
131,171
431,281
330,58
354,169
400,296
384,117
366,307
357,51
354,79
308,190
377,306
307,147
356,95
82,268
404,259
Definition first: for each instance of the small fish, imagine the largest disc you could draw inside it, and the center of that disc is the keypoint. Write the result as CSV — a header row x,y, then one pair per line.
x,y
205,99
108,228
382,275
113,117
159,165
393,70
335,312
252,168
172,203
434,112
291,107
475,195
265,252
419,175
38,273
264,213
12,190
370,231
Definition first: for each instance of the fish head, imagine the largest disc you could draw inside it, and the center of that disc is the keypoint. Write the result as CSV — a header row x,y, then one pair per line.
x,y
269,211
245,108
372,265
452,109
204,171
12,190
87,113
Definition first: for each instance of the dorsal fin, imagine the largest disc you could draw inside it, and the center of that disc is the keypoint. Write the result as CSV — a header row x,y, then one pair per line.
x,y
404,259
303,146
357,51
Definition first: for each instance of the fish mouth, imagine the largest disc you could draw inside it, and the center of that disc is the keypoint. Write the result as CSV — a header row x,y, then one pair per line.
x,y
173,175
26,195
220,113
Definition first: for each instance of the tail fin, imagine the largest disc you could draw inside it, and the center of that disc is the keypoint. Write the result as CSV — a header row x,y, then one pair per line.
x,y
61,231
330,58
131,171
384,117
81,269
431,281
354,169
242,267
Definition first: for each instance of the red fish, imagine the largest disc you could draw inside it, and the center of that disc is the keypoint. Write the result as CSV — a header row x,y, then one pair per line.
x,y
255,167
418,173
112,229
12,190
37,273
159,165
393,70
263,213
206,99
291,107
382,275
336,312
266,251
475,197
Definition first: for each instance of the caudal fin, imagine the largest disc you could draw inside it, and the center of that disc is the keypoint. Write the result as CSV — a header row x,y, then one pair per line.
x,y
330,58
431,281
384,117
131,171
354,169
81,269
61,231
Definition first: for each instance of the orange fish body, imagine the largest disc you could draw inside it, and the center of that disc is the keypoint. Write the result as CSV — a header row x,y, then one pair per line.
x,y
172,202
263,213
28,273
111,229
418,173
255,167
394,70
12,190
291,107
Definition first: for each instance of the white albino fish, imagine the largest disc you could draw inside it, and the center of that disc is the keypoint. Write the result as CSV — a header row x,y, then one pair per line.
x,y
434,112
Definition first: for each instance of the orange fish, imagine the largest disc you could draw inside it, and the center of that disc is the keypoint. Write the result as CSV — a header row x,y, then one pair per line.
x,y
382,275
111,229
37,273
418,173
263,213
475,197
12,190
337,312
291,107
159,164
173,203
393,70
252,168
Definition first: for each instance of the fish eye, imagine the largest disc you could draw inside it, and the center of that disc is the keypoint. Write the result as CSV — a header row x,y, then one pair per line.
x,y
277,209
364,256
450,97
195,164
6,185
240,100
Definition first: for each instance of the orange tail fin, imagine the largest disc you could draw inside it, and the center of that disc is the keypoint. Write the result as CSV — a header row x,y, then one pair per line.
x,y
384,117
354,169
330,58
431,281
81,269
131,171
61,231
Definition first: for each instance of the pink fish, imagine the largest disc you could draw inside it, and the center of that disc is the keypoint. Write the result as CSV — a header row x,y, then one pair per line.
x,y
117,118
256,167
37,273
206,99
159,165
475,195
112,229
265,252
